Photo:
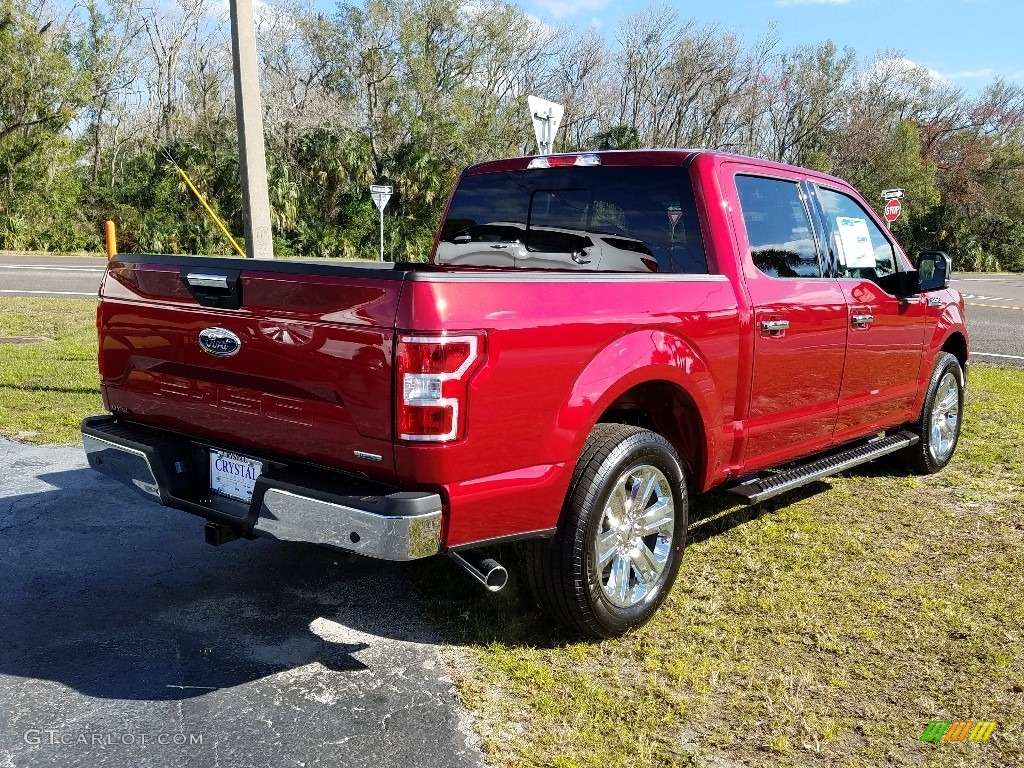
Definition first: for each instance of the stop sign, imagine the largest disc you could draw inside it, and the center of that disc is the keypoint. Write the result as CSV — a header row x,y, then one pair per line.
x,y
892,210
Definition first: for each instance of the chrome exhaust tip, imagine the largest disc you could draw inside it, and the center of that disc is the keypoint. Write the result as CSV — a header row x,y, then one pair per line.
x,y
484,569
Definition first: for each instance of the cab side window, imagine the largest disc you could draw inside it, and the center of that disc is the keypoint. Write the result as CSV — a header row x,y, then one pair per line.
x,y
778,227
857,246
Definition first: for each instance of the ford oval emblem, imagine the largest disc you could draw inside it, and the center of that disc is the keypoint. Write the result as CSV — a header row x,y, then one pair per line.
x,y
219,342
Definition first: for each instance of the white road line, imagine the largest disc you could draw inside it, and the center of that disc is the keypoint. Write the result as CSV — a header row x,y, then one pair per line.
x,y
51,293
993,354
99,270
983,279
987,298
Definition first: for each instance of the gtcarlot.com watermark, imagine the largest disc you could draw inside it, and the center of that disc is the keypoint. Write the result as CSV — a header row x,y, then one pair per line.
x,y
57,737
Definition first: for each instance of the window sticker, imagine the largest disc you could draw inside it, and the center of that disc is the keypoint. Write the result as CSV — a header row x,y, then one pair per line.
x,y
855,242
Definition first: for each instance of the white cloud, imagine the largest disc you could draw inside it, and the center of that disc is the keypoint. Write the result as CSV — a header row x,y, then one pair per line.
x,y
902,65
540,28
898,66
970,74
784,3
561,9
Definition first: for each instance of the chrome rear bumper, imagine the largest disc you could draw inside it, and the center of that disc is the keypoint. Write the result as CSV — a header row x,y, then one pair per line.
x,y
290,516
290,502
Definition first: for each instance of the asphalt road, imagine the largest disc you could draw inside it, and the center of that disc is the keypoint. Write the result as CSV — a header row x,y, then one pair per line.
x,y
995,303
125,640
995,316
67,276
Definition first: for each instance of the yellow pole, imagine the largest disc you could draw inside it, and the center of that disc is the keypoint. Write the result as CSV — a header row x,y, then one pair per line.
x,y
209,210
111,234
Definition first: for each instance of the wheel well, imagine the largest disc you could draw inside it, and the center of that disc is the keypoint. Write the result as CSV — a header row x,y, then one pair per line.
x,y
667,409
956,345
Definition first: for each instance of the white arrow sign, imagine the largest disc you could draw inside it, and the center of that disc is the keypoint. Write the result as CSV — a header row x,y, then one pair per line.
x,y
546,116
380,194
892,194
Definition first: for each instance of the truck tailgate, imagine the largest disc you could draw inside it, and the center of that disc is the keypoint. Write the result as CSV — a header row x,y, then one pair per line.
x,y
303,370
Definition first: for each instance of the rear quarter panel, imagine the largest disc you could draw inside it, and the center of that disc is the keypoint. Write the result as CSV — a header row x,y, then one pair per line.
x,y
560,348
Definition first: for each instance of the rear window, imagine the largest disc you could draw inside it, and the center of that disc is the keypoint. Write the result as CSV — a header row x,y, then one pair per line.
x,y
608,219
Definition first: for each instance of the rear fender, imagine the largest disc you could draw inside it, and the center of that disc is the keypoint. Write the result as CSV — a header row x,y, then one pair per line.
x,y
637,358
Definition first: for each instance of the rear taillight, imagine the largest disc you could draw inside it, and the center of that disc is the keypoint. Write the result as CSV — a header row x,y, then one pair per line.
x,y
99,339
433,384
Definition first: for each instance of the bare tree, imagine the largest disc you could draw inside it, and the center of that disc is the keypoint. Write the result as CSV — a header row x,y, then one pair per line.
x,y
169,31
581,80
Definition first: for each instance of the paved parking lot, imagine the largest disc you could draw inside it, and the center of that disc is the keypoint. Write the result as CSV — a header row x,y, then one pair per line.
x,y
125,640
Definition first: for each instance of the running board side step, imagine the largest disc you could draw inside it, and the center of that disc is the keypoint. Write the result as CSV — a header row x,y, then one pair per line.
x,y
760,488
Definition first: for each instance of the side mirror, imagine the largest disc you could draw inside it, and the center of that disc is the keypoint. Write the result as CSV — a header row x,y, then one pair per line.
x,y
933,271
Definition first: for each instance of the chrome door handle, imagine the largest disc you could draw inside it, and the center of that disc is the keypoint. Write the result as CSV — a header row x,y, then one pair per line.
x,y
862,321
774,326
499,245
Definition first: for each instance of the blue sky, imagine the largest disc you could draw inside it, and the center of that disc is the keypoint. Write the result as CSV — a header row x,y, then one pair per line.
x,y
969,42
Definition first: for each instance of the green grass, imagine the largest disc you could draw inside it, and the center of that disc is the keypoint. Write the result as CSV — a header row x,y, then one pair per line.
x,y
47,388
826,627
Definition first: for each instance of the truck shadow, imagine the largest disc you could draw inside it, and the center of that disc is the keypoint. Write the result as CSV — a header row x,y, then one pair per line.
x,y
718,512
115,597
511,617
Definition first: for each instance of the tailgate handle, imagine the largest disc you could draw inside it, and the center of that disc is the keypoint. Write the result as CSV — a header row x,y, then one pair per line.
x,y
201,280
222,288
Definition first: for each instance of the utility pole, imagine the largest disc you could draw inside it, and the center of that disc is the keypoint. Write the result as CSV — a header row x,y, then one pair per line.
x,y
252,154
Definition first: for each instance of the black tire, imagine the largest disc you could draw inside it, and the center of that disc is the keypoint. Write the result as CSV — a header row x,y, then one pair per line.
x,y
939,427
563,572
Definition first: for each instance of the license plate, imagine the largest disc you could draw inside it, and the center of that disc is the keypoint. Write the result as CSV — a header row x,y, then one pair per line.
x,y
232,475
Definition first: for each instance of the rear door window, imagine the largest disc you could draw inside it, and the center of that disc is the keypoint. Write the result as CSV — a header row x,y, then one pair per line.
x,y
609,219
778,227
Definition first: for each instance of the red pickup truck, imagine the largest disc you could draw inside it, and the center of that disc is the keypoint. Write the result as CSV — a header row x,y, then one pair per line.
x,y
596,339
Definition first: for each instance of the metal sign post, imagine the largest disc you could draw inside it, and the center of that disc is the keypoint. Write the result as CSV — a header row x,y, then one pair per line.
x,y
252,154
546,117
381,194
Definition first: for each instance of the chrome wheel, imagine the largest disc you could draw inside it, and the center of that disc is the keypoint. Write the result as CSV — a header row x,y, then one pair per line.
x,y
634,538
945,417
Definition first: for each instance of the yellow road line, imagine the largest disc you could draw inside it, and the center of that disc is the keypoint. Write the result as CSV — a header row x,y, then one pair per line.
x,y
993,306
